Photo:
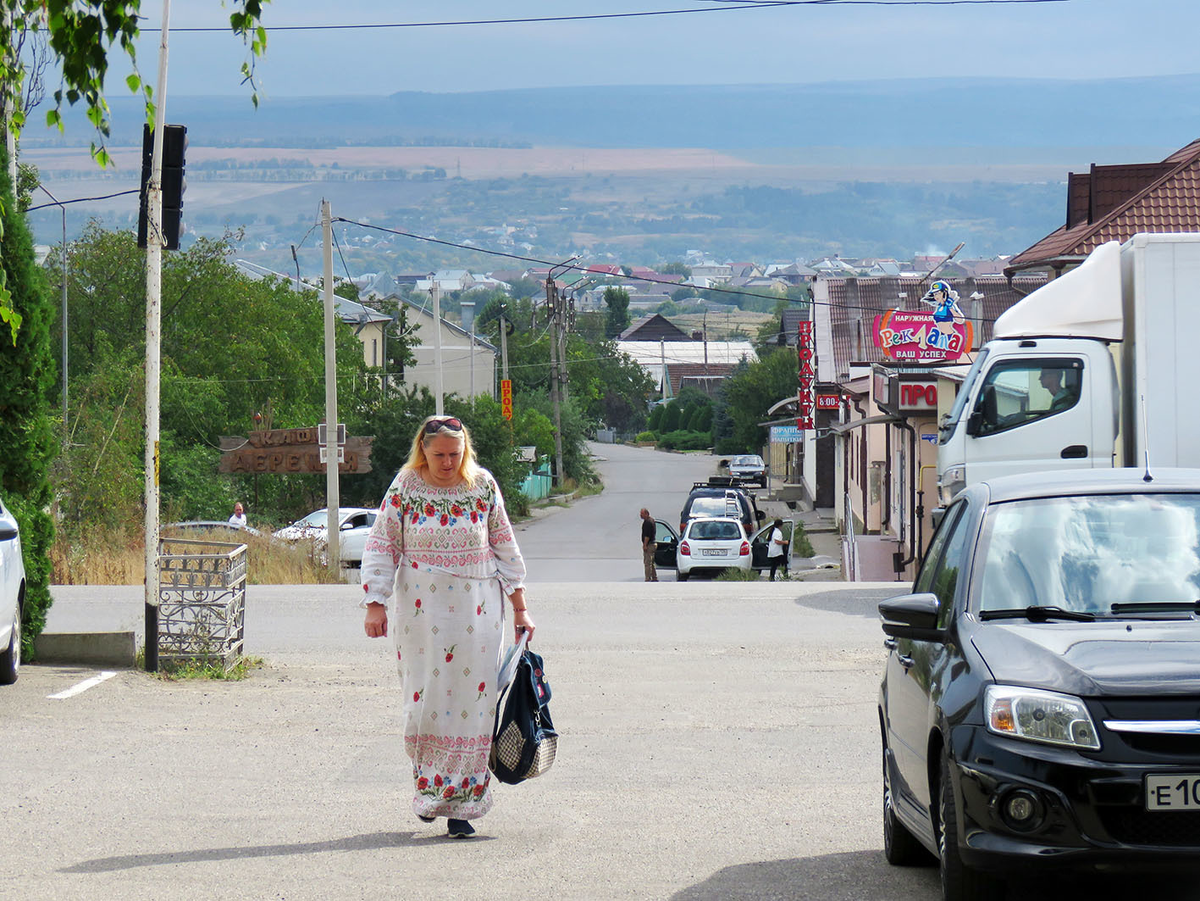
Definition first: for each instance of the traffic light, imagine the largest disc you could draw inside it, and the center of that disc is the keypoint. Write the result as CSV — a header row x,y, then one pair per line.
x,y
173,183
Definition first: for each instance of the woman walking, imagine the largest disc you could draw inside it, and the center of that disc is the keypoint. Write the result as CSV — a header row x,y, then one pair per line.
x,y
442,551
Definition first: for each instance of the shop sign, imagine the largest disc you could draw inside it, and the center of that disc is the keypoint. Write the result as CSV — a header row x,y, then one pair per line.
x,y
806,375
916,337
786,434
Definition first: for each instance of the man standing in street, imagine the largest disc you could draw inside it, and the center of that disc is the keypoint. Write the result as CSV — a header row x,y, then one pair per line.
x,y
649,546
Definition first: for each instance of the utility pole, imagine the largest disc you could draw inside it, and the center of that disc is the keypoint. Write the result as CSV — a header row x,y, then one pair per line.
x,y
552,304
504,346
439,407
332,488
154,248
662,359
566,313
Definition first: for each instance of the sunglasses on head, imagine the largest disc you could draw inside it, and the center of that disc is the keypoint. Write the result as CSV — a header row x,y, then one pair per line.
x,y
436,425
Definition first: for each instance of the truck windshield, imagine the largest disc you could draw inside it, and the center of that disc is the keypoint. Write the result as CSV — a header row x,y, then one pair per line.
x,y
947,425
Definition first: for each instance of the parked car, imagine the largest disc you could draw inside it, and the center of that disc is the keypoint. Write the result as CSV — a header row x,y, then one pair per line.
x,y
211,526
12,596
354,524
1040,705
712,545
749,468
720,497
760,543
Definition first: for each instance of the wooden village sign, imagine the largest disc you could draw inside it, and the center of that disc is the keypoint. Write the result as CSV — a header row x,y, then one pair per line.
x,y
293,450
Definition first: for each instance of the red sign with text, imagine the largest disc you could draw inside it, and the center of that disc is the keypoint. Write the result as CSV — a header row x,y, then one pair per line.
x,y
506,398
806,375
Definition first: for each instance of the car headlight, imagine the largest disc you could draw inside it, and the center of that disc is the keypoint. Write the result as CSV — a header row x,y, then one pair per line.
x,y
1042,716
951,482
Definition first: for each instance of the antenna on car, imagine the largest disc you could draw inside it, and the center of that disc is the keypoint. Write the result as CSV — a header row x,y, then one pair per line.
x,y
1146,476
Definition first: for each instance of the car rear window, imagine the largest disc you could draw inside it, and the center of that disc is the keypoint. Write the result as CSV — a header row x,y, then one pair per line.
x,y
714,506
716,531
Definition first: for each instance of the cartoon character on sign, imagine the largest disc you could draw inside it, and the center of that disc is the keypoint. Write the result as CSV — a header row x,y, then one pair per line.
x,y
946,314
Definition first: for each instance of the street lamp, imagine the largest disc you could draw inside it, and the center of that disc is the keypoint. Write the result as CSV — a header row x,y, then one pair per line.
x,y
65,271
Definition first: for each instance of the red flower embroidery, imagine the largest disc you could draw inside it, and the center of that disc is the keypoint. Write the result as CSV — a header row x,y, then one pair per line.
x,y
395,500
474,516
429,511
445,518
479,610
416,696
437,780
448,793
478,791
466,783
481,505
422,783
482,686
414,566
456,509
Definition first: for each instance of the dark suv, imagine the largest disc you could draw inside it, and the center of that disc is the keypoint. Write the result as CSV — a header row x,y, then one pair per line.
x,y
721,497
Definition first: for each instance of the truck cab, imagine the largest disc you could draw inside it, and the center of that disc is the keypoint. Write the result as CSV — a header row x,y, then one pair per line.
x,y
1027,405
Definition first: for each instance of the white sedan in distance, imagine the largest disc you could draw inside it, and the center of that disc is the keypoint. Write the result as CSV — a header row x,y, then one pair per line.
x,y
354,524
712,545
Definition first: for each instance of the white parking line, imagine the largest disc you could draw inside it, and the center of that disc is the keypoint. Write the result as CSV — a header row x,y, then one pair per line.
x,y
82,686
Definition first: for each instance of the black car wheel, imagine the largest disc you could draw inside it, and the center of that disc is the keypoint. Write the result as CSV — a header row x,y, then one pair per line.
x,y
959,882
681,577
900,847
10,660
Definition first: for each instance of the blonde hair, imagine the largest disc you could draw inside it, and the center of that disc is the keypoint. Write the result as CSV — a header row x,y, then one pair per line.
x,y
468,469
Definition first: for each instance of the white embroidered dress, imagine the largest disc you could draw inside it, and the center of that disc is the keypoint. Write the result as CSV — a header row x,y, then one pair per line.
x,y
445,559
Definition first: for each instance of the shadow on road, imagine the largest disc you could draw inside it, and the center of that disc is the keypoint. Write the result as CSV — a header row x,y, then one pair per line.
x,y
860,602
866,876
372,842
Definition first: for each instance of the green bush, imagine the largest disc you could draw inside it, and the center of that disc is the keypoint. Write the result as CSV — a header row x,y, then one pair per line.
x,y
643,437
685,440
801,546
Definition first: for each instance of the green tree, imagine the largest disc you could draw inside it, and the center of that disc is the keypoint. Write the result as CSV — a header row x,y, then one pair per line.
x,y
671,416
617,301
750,392
654,423
676,268
27,369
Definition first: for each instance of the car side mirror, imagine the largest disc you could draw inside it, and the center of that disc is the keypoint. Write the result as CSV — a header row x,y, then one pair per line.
x,y
911,616
759,515
975,424
7,533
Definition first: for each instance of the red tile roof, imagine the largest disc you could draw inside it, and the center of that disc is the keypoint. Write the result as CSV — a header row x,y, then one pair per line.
x,y
1113,203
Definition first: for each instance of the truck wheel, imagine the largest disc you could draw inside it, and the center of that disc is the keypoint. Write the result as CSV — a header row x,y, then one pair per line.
x,y
959,881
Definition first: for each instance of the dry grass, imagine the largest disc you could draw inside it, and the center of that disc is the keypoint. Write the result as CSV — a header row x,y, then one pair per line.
x,y
118,558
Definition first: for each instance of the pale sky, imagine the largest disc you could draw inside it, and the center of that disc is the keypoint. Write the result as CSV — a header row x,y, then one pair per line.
x,y
792,44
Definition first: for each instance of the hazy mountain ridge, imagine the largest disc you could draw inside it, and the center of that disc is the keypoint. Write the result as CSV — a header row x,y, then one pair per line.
x,y
951,112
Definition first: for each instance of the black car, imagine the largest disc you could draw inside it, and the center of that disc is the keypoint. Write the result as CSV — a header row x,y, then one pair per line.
x,y
721,496
1040,705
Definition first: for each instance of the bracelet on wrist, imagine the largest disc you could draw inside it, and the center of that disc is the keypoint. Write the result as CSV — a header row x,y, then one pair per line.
x,y
519,609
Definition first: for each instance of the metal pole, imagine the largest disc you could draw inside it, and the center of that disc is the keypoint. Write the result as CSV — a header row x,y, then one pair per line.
x,y
555,385
154,249
472,364
66,271
662,358
332,489
439,407
504,345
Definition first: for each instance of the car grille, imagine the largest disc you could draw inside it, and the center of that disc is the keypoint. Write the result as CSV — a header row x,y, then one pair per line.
x,y
1131,826
1172,745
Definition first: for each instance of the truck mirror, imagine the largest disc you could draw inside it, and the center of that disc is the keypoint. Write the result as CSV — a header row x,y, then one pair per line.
x,y
975,424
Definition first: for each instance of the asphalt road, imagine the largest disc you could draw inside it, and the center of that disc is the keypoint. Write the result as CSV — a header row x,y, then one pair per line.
x,y
601,540
719,740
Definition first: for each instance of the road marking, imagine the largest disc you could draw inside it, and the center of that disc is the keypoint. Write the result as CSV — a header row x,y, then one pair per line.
x,y
82,686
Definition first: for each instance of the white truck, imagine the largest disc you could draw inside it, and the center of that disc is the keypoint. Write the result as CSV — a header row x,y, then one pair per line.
x,y
1094,369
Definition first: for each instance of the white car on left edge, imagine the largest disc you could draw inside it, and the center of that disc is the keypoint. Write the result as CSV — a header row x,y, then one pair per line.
x,y
354,524
12,596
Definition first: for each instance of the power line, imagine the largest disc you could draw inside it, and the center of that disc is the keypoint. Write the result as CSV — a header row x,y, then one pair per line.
x,y
723,6
42,206
637,278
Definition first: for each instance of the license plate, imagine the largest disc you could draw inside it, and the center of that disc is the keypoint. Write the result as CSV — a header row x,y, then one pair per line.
x,y
714,552
1179,791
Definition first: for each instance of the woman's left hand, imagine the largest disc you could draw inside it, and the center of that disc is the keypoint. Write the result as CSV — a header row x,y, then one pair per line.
x,y
523,625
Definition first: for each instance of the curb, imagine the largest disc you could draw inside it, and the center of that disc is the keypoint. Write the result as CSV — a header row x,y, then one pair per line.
x,y
117,649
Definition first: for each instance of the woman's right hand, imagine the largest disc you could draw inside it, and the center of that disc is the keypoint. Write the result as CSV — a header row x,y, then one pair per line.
x,y
376,621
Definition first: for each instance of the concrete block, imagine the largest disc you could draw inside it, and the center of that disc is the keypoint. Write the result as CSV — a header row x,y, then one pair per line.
x,y
117,649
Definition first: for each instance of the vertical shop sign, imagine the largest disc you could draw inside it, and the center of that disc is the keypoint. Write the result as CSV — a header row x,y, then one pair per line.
x,y
806,375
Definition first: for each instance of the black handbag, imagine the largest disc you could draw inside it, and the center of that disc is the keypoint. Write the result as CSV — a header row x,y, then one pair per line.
x,y
524,740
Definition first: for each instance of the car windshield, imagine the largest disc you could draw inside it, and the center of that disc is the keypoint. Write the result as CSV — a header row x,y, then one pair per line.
x,y
1088,553
713,506
715,530
318,519
746,461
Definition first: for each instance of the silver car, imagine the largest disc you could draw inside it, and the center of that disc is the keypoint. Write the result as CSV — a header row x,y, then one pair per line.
x,y
749,468
354,524
12,596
